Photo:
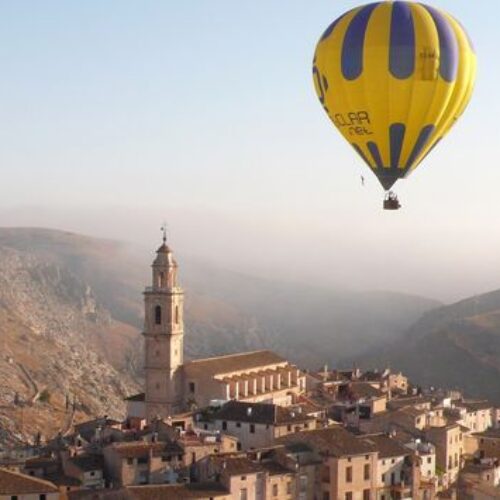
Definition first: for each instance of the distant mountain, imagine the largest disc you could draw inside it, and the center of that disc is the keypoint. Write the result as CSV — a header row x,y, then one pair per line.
x,y
71,312
455,346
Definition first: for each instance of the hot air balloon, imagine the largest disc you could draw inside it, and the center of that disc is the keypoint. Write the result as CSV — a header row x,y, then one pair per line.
x,y
394,77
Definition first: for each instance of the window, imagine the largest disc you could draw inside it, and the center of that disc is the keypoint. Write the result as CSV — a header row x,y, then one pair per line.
x,y
43,496
366,495
224,425
176,315
157,315
92,474
243,494
393,461
429,460
289,428
252,428
383,478
275,490
366,472
289,488
238,424
243,478
192,386
303,483
13,497
348,474
348,495
306,426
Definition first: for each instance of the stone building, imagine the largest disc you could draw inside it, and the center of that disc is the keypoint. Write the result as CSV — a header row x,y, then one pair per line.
x,y
14,485
173,385
258,425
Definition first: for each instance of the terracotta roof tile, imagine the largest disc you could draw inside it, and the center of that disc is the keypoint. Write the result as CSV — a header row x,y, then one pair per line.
x,y
14,483
177,492
259,413
335,441
221,365
387,446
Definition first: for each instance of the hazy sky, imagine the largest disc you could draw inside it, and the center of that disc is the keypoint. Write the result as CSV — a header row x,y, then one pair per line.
x,y
117,114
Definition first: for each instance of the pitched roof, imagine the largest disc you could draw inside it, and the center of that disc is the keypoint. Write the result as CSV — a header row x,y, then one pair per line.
x,y
60,479
489,433
259,413
365,390
335,441
387,446
14,483
88,463
177,491
138,449
237,465
221,365
473,406
115,494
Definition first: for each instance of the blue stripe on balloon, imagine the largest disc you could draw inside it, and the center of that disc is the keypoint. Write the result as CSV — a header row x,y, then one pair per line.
x,y
354,40
396,139
448,45
360,153
373,148
420,144
402,41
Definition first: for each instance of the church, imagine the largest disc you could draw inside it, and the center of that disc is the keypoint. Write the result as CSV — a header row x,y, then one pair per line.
x,y
173,386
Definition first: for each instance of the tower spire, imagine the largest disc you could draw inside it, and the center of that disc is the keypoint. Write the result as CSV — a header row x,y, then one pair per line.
x,y
164,232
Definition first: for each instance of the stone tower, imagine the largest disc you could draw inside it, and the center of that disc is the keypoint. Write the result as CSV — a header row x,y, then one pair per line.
x,y
164,337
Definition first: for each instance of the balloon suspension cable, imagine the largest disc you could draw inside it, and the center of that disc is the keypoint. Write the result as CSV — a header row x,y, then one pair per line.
x,y
391,201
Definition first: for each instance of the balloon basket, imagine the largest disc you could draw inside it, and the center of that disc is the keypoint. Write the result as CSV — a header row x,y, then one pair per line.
x,y
391,202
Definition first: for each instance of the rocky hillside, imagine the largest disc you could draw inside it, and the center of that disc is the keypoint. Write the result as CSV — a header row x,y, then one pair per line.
x,y
456,346
58,360
71,312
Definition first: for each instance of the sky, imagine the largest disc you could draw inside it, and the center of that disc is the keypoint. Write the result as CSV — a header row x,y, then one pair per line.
x,y
116,115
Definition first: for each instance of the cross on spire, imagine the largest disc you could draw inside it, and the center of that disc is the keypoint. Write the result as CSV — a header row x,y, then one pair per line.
x,y
164,232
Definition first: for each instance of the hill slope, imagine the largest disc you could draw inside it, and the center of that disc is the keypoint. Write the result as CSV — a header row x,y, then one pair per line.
x,y
456,346
71,313
228,311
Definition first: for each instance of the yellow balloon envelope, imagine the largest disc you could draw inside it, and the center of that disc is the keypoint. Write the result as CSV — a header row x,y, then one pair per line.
x,y
394,77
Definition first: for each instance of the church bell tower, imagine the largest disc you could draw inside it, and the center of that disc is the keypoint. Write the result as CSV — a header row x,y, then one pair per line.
x,y
164,337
